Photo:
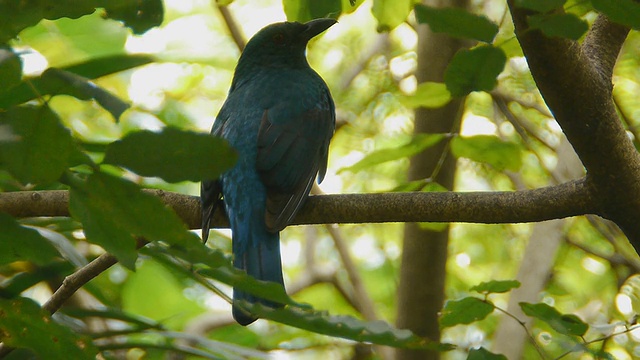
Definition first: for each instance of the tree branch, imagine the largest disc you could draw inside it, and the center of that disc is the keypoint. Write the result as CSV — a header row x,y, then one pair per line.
x,y
575,82
491,207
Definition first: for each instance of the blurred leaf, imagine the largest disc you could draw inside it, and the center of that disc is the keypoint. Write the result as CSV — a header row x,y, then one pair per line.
x,y
464,311
476,69
116,314
564,324
63,245
22,281
419,143
560,25
21,243
18,15
483,354
113,210
219,267
496,286
542,6
305,10
457,22
172,154
34,146
391,13
155,292
430,95
347,327
90,69
488,149
10,69
55,82
24,324
625,12
139,15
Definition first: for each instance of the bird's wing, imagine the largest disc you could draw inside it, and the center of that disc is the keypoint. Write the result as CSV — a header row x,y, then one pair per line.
x,y
211,190
291,151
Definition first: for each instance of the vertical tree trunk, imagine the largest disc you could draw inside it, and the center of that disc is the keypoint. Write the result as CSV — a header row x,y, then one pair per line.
x,y
422,272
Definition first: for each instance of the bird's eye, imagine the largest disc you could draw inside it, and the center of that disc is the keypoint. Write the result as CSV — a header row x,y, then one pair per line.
x,y
278,39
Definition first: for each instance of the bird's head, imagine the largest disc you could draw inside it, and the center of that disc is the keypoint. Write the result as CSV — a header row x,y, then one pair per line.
x,y
283,44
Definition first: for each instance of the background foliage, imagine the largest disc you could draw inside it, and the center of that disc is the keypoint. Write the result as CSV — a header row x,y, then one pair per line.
x,y
107,98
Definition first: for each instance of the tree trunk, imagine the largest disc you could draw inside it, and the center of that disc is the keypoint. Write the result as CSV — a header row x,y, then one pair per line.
x,y
422,272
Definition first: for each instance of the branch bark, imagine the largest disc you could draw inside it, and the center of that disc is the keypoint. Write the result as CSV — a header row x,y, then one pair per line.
x,y
576,82
490,207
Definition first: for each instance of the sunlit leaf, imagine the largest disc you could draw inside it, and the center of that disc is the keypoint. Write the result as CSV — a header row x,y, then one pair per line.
x,y
34,146
31,88
457,22
24,324
419,143
390,13
475,69
430,95
10,69
21,243
496,286
564,324
559,25
464,311
488,149
113,210
625,12
540,5
172,154
305,10
484,354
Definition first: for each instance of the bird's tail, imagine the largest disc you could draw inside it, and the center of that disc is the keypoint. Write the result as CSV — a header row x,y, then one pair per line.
x,y
260,258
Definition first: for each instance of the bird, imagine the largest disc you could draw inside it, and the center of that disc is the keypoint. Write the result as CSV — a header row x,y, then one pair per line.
x,y
280,117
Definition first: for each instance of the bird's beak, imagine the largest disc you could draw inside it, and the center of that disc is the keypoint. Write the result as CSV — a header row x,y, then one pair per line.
x,y
315,27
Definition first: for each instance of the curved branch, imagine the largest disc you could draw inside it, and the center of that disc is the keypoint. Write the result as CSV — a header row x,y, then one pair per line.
x,y
552,202
575,82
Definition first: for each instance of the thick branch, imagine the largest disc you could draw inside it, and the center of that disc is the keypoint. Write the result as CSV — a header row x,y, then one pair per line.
x,y
553,202
575,81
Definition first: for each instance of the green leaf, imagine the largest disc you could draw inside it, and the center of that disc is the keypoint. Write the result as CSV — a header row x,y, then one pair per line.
x,y
21,243
559,25
139,15
474,70
542,6
31,88
488,149
391,13
464,311
347,327
430,95
10,69
24,324
56,82
483,354
496,286
172,154
625,12
113,210
34,146
457,22
22,281
419,143
305,10
564,324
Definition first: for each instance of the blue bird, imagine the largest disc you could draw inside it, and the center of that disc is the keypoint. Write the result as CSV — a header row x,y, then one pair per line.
x,y
280,117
